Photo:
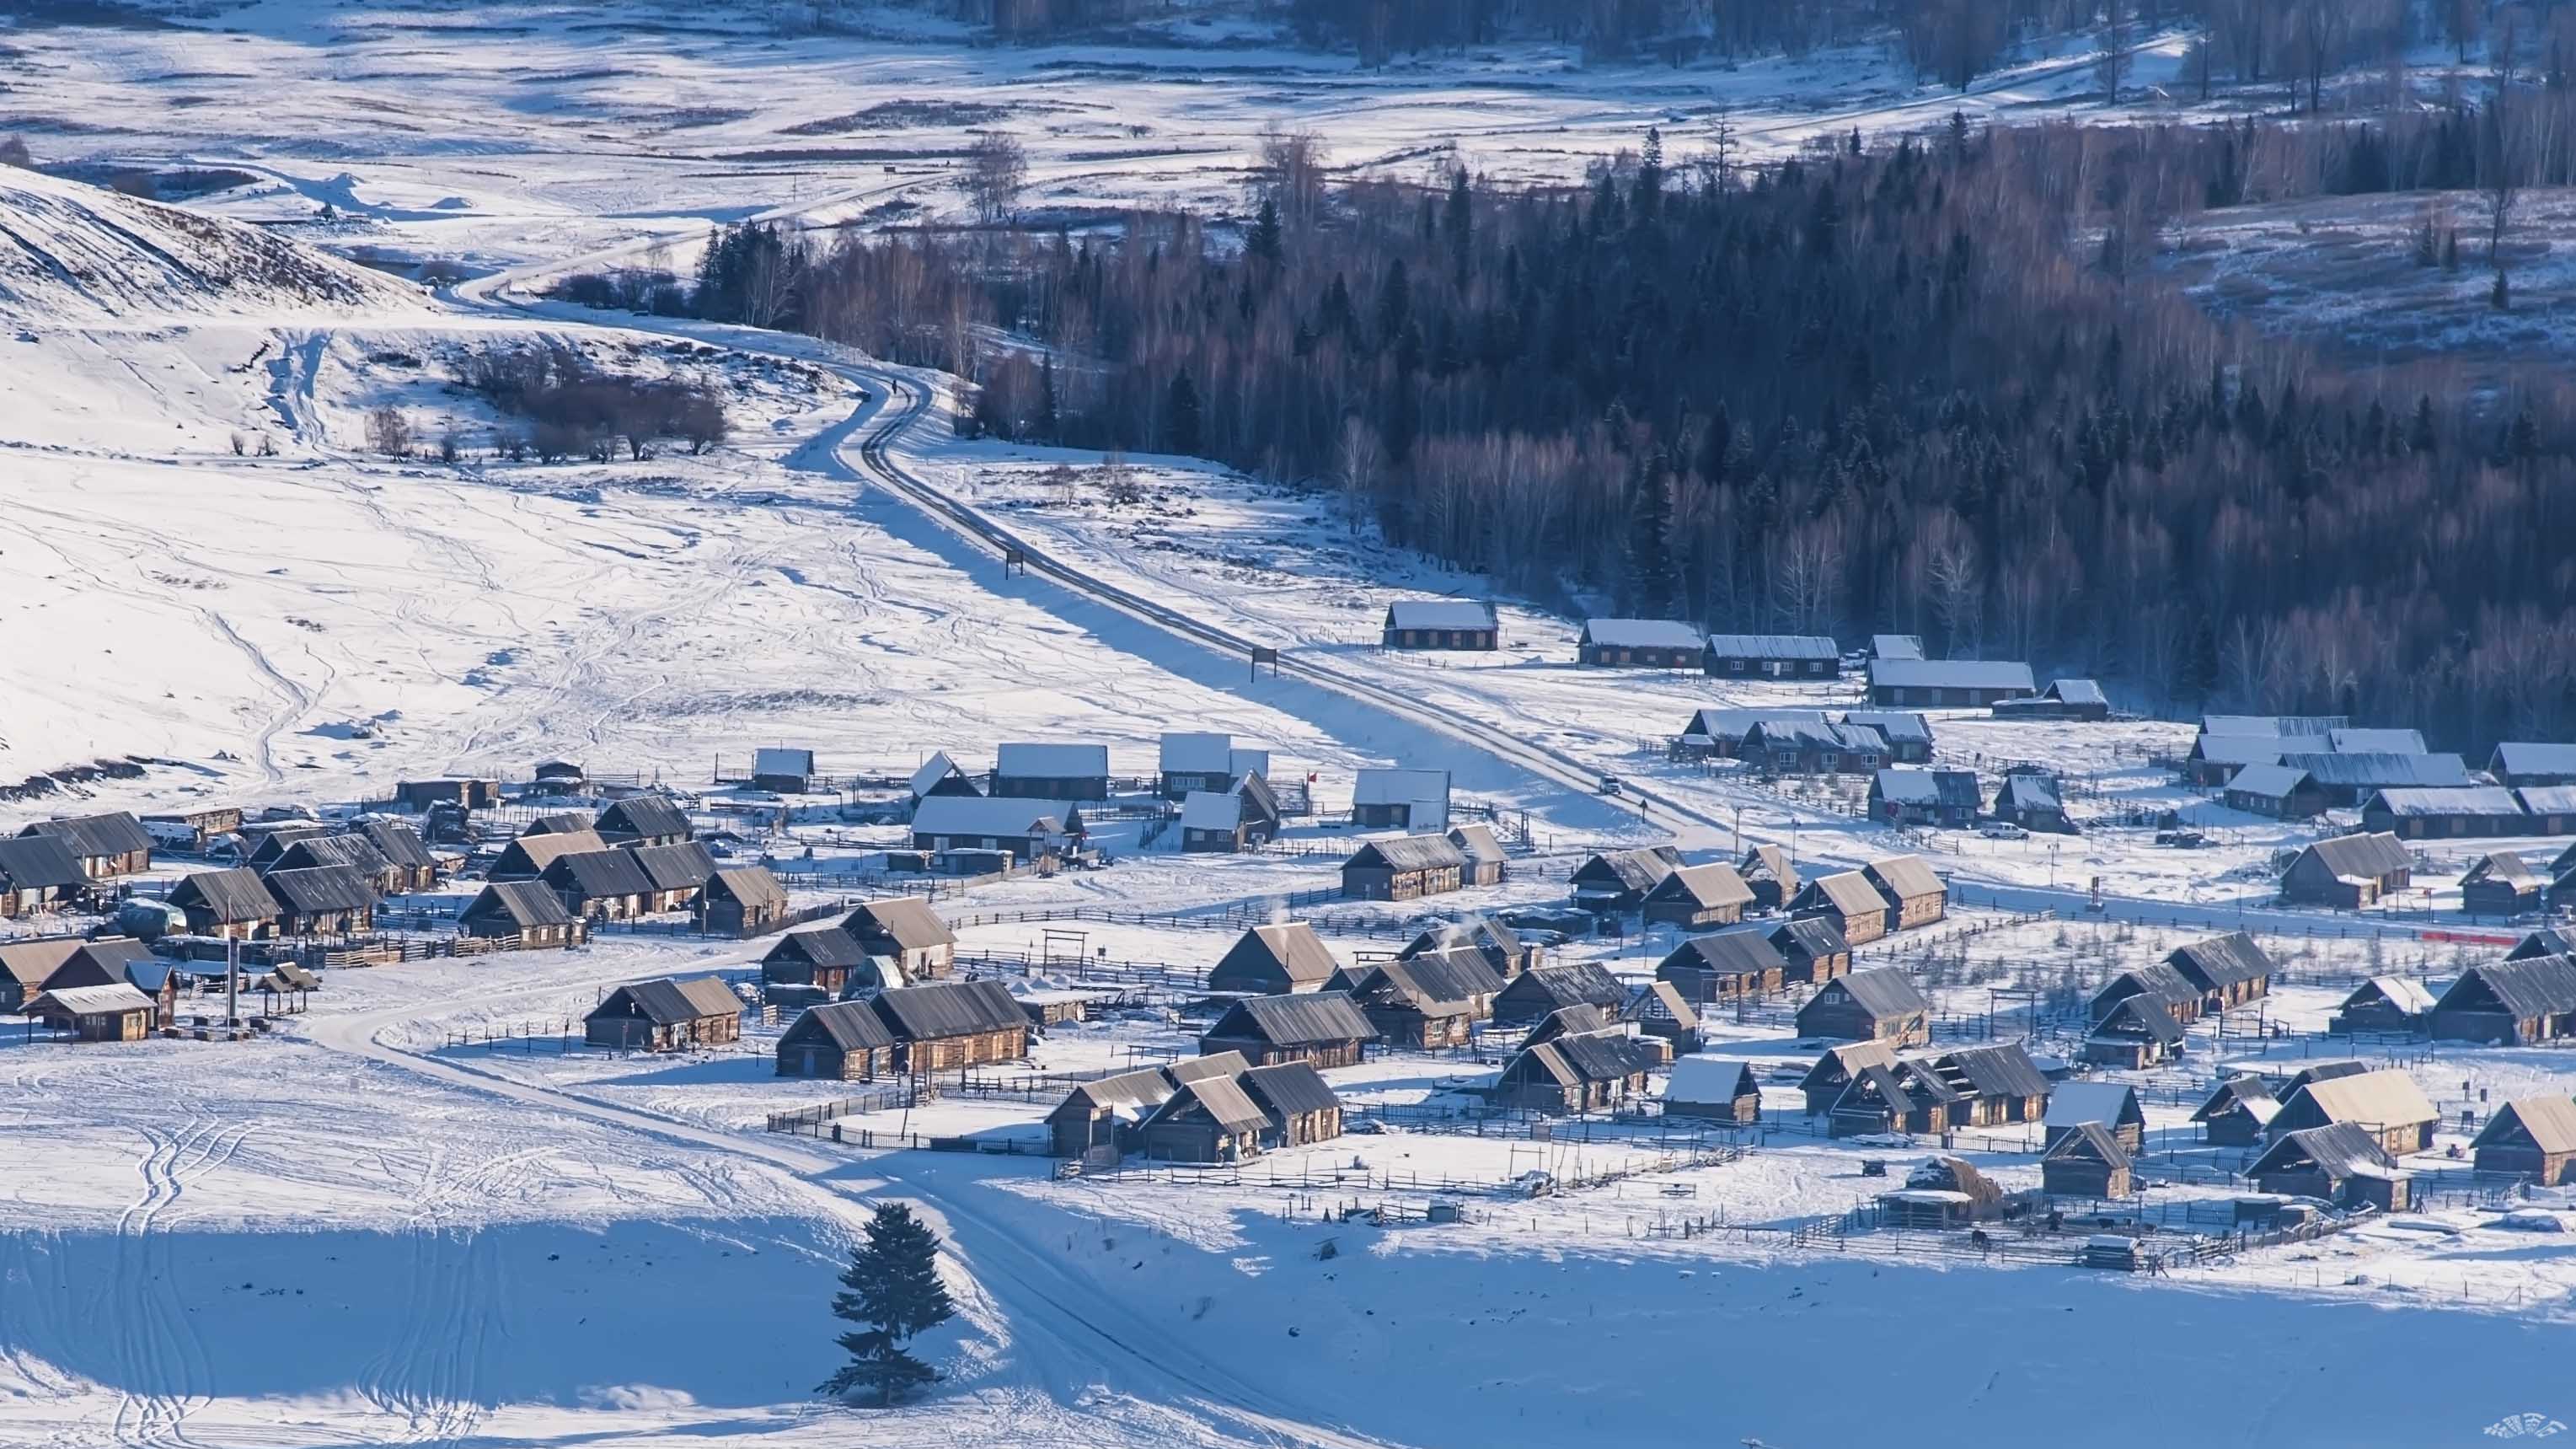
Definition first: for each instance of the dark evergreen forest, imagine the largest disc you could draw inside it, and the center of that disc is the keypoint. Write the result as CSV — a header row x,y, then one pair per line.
x,y
1931,386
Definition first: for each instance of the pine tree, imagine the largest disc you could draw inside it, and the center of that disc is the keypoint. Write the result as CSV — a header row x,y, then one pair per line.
x,y
1181,416
1651,579
2419,437
1394,303
893,1289
1460,224
1263,242
1047,421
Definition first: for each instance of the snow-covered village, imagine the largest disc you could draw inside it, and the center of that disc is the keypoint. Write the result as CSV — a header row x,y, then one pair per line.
x,y
1286,722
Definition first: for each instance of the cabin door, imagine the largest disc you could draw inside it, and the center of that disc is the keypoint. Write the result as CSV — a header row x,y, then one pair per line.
x,y
809,1063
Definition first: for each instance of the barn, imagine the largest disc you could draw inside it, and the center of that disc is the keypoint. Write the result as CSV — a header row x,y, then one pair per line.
x,y
1848,901
524,909
37,871
1912,795
1641,644
1440,624
905,931
2348,872
1275,960
2385,1103
2502,884
1995,1085
2137,1032
1386,797
643,820
1771,875
840,1040
2530,1137
1947,683
2384,1004
1209,1119
1579,1072
2086,1162
1403,869
2349,780
1050,772
1618,880
2239,1113
2552,808
1534,994
1030,830
1324,1028
1725,966
2516,1003
1696,897
2277,791
233,904
113,1012
1771,656
952,1024
2463,812
1877,1005
1810,950
1716,1089
325,900
106,846
2339,1163
742,900
665,1015
1914,895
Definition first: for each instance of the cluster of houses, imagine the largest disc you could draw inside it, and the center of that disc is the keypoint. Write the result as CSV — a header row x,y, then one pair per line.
x,y
635,857
2139,1016
53,864
1807,741
2030,797
1826,917
2296,767
116,989
880,944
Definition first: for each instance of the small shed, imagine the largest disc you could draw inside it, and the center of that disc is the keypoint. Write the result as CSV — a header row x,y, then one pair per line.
x,y
1875,1005
2384,1004
2085,1162
782,771
1695,897
2112,1104
1944,1192
2502,884
2532,1137
1275,960
2338,1162
1440,624
1770,874
2239,1113
113,1012
841,1040
743,900
2138,1032
1486,860
665,1015
1718,1089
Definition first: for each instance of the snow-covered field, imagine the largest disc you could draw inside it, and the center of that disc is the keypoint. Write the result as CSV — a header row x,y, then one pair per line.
x,y
361,1229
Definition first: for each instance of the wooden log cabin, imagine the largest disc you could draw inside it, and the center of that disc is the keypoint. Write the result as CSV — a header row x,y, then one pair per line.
x,y
742,900
2348,872
905,931
1996,1086
232,904
678,874
409,864
1913,893
1811,950
1832,1073
37,872
2385,1103
325,900
2530,1137
643,820
2502,884
1099,1120
1275,960
1848,901
1210,1119
1770,875
1906,1097
2227,971
527,856
1713,1089
1466,624
351,850
2239,1113
1426,1002
1502,948
949,1025
665,1015
113,1012
2138,1033
2086,1162
2112,1104
2338,1162
2514,1003
106,846
1533,995
1054,771
1487,861
1697,897
601,885
2393,1004
1620,880
521,909
1325,1028
1403,869
827,959
1578,1072
1877,1005
837,1040
1726,966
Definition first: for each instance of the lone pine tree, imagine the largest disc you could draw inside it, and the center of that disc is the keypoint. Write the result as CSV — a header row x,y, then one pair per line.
x,y
892,1290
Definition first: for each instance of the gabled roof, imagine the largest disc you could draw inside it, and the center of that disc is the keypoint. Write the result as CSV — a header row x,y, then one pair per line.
x,y
1734,724
2547,941
2550,1122
528,904
2109,1103
1477,933
1389,785
2532,986
1051,761
2549,799
750,886
1882,991
354,851
685,866
2087,1142
2144,1015
2029,792
1636,870
1906,877
231,897
1219,1098
2155,979
1814,935
92,836
1746,951
1642,634
2077,691
1292,946
2346,740
2221,961
1000,816
2382,1099
2247,1093
935,769
1700,1078
1440,614
2534,757
1196,753
2381,771
1703,886
1896,726
560,822
1312,1019
1916,785
2492,802
30,962
643,815
1211,810
1995,1071
1477,844
2271,782
2368,856
2402,992
1800,735
822,943
39,862
1773,646
2507,868
91,1000
668,1002
853,1026
1896,646
1951,674
2273,726
908,921
776,760
320,888
397,842
540,851
1848,892
2339,1149
1289,1088
1769,862
1582,983
948,1009
1439,984
1845,1061
1606,1056
2243,751
600,874
1410,852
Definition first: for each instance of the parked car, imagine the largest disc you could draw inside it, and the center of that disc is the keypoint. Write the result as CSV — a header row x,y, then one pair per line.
x,y
2182,839
2002,830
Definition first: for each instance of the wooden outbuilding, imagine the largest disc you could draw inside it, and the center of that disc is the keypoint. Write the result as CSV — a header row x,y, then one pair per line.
x,y
1771,656
113,1012
1947,683
2339,1163
1468,624
2227,971
1100,1120
1275,960
417,796
1388,797
1210,1119
1906,1097
2278,791
26,965
2086,1162
644,820
1211,823
1050,772
600,885
106,846
1428,1001
325,900
2035,802
1833,1072
1487,862
1502,948
782,770
1727,966
1770,875
2502,884
2514,1003
1915,795
1876,1005
408,862
1029,830
38,872
841,1040
1191,762
2385,1103
665,1015
1641,644
679,874
2136,1033
939,775
1325,1028
1914,894
905,931
2063,699
2112,1104
953,1024
1995,1086
2158,982
743,900
1811,950
2520,763
1714,1089
2239,1113
1619,880
1299,1107
1906,734
527,856
524,909
1662,1012
1849,901
1696,897
1403,869
233,904
2384,1004
1534,994
2348,872
2531,1137
1811,747
351,850
1577,1072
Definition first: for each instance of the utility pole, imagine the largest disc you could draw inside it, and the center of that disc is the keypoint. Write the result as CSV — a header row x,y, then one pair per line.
x,y
232,984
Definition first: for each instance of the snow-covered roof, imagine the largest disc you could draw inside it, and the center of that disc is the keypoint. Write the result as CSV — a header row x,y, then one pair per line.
x,y
1196,753
1898,726
2484,800
1052,762
2271,782
1391,786
94,1000
978,815
1643,634
1773,646
1909,785
1699,1078
933,770
780,761
2273,726
1439,614
1240,763
1896,646
1732,724
2349,741
1211,810
2534,757
2103,1102
1951,674
2549,799
2403,992
2378,771
2077,691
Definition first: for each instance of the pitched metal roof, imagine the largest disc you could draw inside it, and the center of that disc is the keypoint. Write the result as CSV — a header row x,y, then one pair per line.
x,y
1951,674
777,760
853,1027
1848,892
685,866
32,961
1734,724
1146,1087
1701,1078
2347,740
2492,802
1410,852
91,1000
1846,1060
2506,867
643,815
820,944
935,769
2549,799
92,836
996,815
1915,785
2339,1149
2272,782
1447,983
667,1001
1882,991
751,886
1211,810
1907,877
321,888
528,904
1028,761
1773,646
2087,1141
2221,961
1291,946
2532,986
1743,952
539,851
1305,1020
2029,792
1996,1071
2403,992
2549,1121
2535,757
2381,771
1606,1056
397,842
1896,646
2273,726
1809,734
2384,1098
1584,983
1642,634
949,1009
908,921
600,874
1896,726
1440,614
2109,1103
2077,691
229,896
2366,855
1704,886
2155,979
39,862
1636,870
1388,785
1814,935
1290,1088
